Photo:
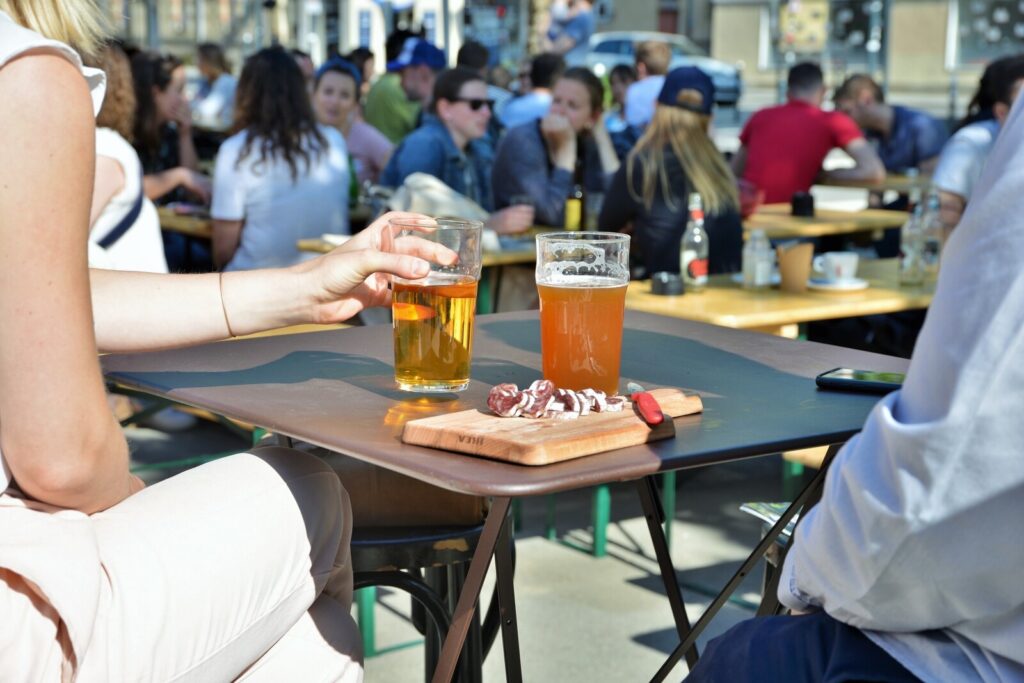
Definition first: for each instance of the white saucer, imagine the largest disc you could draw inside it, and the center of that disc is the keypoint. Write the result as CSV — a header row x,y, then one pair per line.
x,y
853,284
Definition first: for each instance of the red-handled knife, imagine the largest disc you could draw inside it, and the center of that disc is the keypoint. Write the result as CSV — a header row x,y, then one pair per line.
x,y
645,404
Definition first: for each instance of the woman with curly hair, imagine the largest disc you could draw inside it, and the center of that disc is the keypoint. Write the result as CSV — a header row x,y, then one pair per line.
x,y
281,176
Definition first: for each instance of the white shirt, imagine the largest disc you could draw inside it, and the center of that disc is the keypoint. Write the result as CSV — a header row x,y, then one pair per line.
x,y
14,41
277,210
963,157
217,108
918,539
141,248
640,100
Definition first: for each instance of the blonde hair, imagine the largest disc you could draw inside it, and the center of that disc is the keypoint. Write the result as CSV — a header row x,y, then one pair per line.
x,y
75,22
686,132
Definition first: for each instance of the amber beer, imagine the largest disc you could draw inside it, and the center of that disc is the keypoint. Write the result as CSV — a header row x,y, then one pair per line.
x,y
433,331
581,333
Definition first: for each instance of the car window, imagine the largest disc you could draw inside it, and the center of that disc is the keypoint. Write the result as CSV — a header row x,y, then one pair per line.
x,y
685,49
614,47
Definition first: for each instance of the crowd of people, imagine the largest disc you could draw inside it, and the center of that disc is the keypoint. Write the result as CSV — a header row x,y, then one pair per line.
x,y
932,471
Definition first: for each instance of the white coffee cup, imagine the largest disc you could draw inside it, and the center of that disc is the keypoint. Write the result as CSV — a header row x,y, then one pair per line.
x,y
836,266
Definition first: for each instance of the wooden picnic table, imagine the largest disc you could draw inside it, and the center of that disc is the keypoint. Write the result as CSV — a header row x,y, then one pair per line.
x,y
727,303
200,227
897,182
778,222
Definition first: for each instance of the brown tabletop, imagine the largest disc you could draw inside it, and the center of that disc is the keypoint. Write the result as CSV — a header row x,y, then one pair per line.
x,y
335,389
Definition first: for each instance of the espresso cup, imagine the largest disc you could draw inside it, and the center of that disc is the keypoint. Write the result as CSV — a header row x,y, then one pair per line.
x,y
836,266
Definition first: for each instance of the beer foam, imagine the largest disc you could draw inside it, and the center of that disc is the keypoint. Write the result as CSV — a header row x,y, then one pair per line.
x,y
569,263
581,281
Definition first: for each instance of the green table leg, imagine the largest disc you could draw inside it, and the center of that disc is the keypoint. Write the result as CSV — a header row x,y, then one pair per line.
x,y
602,514
550,532
366,599
668,501
792,472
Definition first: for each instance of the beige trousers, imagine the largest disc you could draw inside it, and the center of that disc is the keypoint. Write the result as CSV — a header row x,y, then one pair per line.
x,y
238,569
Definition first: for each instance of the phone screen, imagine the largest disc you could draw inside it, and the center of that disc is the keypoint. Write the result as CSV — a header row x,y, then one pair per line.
x,y
860,380
894,378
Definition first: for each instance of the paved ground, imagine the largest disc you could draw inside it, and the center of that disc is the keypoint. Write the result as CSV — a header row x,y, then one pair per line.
x,y
581,618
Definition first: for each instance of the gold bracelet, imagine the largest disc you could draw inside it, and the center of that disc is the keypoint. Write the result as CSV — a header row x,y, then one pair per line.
x,y
223,306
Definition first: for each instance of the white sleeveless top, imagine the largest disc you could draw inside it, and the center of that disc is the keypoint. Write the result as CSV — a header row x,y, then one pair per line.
x,y
141,248
14,41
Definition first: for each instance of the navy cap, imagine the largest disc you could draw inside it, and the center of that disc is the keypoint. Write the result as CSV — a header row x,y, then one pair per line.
x,y
688,78
416,52
338,64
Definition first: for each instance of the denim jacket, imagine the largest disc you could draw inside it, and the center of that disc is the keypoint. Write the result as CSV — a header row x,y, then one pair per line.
x,y
430,149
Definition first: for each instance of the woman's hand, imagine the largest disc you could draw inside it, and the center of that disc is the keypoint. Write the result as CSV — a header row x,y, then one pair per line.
x,y
354,276
196,183
512,220
561,140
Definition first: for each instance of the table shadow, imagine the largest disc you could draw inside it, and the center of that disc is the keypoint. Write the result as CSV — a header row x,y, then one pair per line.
x,y
296,367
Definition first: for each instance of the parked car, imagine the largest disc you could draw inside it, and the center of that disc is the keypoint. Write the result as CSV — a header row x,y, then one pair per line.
x,y
606,50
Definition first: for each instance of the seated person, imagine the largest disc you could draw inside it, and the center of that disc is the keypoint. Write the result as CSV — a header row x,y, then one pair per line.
x,y
448,147
782,147
907,569
214,104
652,61
282,177
676,154
124,231
396,112
387,108
964,156
162,136
545,159
904,138
235,569
570,25
619,79
336,104
533,104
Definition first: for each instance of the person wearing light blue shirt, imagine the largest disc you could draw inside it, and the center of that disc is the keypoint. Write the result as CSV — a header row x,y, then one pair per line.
x,y
544,71
572,24
909,567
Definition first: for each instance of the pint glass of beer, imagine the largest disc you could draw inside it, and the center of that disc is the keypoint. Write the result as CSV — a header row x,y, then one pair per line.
x,y
581,280
433,317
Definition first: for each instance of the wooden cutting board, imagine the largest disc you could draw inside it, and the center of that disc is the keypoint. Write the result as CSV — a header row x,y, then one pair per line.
x,y
544,441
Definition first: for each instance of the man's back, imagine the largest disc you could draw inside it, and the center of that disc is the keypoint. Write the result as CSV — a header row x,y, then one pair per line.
x,y
786,145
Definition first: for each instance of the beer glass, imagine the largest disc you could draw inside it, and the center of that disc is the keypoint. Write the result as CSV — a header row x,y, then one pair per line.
x,y
581,280
433,317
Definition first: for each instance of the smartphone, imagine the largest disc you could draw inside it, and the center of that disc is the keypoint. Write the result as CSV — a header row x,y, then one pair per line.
x,y
870,381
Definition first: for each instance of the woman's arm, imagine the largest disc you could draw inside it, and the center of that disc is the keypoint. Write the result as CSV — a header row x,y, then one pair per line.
x,y
605,150
156,185
62,443
149,311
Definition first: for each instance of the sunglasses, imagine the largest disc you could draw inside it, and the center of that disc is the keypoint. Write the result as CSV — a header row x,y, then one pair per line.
x,y
476,104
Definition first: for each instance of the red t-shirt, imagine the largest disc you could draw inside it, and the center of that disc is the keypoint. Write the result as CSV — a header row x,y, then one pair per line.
x,y
787,144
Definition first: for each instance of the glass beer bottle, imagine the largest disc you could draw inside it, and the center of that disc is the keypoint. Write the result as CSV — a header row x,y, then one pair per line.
x,y
693,262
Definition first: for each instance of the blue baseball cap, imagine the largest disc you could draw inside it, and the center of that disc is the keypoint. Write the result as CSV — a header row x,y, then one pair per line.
x,y
343,65
688,78
417,52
